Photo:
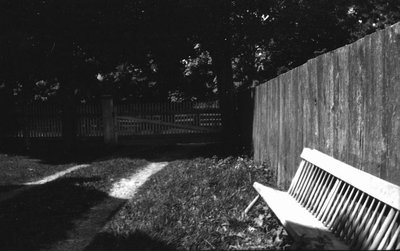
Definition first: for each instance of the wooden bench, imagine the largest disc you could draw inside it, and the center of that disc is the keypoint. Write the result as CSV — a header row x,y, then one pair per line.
x,y
332,205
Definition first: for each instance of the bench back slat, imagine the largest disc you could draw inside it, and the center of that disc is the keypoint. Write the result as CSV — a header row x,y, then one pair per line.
x,y
322,188
324,194
341,199
314,191
336,228
351,213
328,202
303,181
334,202
378,237
385,191
394,238
309,183
295,180
374,230
362,230
389,230
359,212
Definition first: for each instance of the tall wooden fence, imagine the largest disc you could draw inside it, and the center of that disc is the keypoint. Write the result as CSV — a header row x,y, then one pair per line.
x,y
345,103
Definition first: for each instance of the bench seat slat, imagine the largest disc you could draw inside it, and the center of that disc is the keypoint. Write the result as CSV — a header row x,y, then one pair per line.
x,y
296,219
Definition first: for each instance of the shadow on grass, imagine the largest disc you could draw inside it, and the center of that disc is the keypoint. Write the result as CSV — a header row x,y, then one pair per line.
x,y
8,188
45,214
136,241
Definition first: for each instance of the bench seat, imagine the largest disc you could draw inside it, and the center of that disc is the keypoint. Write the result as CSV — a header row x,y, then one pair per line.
x,y
332,205
298,222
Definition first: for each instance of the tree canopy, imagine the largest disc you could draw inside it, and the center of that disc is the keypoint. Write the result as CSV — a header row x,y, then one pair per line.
x,y
174,49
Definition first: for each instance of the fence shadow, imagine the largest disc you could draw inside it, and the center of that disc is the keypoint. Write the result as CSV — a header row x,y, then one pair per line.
x,y
45,214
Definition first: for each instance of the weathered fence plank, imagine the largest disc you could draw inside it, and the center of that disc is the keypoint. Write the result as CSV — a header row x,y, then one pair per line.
x,y
342,110
357,53
392,78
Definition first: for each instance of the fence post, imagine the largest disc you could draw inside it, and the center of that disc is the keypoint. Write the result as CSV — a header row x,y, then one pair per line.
x,y
110,136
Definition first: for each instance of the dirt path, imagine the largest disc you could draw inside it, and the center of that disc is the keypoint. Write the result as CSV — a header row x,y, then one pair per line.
x,y
85,230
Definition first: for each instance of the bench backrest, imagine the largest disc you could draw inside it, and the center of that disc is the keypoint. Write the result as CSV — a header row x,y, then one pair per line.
x,y
361,209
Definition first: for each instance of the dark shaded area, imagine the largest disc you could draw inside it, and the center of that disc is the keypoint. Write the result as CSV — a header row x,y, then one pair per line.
x,y
7,188
52,151
136,241
313,239
44,214
245,113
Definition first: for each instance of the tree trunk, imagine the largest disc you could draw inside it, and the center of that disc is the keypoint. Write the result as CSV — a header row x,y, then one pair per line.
x,y
223,69
69,118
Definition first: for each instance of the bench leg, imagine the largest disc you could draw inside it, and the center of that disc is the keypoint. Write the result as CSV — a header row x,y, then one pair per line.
x,y
251,204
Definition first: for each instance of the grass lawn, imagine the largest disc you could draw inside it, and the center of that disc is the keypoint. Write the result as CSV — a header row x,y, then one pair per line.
x,y
196,204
